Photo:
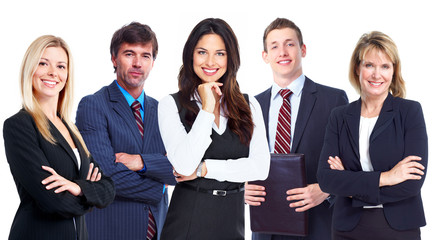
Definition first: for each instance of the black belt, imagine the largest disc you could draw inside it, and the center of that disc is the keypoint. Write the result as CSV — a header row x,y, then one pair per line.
x,y
214,192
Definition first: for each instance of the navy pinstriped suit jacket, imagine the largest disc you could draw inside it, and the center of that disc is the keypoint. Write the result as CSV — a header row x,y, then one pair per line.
x,y
316,103
108,126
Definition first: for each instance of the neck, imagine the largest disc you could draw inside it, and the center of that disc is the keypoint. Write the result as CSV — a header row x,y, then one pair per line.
x,y
285,81
49,107
371,106
134,91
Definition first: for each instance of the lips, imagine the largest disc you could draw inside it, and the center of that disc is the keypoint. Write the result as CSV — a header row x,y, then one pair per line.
x,y
49,83
210,71
375,84
284,62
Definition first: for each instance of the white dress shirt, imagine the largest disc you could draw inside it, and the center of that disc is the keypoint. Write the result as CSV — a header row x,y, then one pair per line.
x,y
276,101
185,150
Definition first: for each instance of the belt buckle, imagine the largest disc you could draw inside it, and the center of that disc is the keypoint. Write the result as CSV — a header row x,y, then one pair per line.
x,y
220,193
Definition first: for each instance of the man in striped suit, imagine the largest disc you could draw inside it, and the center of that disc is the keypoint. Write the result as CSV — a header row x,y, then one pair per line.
x,y
120,127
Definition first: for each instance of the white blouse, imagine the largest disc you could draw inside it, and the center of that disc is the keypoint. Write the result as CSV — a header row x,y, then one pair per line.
x,y
76,152
185,150
365,130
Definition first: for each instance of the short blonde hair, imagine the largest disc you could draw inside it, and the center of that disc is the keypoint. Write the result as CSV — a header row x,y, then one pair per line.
x,y
30,104
376,40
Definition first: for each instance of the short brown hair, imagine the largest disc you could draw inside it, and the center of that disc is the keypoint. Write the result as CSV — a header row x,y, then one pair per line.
x,y
376,40
132,33
280,23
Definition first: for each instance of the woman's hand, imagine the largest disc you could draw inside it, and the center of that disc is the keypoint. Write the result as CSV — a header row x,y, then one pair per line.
x,y
335,163
209,93
93,175
59,182
407,169
182,178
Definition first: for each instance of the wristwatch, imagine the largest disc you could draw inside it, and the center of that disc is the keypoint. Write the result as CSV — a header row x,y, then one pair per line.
x,y
199,170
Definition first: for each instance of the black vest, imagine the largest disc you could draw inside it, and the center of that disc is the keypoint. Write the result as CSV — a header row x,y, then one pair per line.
x,y
222,147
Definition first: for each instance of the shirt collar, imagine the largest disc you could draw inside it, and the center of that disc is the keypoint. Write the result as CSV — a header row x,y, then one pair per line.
x,y
296,87
131,99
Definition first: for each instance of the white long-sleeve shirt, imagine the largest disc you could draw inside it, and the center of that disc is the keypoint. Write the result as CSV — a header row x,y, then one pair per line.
x,y
185,150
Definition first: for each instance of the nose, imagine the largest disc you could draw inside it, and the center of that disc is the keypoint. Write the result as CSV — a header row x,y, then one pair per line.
x,y
376,73
136,62
283,51
52,71
210,61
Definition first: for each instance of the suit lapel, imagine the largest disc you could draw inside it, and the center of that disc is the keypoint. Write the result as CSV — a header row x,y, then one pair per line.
x,y
150,121
121,107
84,166
385,118
307,103
61,141
352,120
264,100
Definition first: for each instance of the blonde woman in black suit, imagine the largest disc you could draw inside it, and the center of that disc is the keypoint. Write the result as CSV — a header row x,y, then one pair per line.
x,y
56,178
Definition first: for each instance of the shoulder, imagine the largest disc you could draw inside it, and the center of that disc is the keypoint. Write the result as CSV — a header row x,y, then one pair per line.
x,y
263,94
21,117
151,100
406,106
20,122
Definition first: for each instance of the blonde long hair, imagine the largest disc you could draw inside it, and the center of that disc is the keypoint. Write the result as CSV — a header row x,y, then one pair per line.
x,y
30,104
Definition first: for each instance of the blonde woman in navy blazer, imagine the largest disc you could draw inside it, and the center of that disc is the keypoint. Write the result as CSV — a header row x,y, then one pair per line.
x,y
57,179
374,156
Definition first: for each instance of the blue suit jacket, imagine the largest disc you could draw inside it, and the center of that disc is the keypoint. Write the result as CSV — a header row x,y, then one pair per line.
x,y
108,126
399,132
316,104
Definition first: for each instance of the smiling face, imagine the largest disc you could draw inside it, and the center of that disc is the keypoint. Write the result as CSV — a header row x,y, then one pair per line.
x,y
133,65
210,58
51,74
284,54
375,74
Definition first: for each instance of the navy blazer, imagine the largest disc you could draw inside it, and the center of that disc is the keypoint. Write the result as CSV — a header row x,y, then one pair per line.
x,y
43,214
316,104
399,132
108,126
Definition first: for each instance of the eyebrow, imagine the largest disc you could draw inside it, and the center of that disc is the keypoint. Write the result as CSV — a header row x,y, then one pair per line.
x,y
132,51
218,50
286,40
46,59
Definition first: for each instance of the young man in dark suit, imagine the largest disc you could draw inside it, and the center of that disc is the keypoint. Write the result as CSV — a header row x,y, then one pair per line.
x,y
310,107
120,127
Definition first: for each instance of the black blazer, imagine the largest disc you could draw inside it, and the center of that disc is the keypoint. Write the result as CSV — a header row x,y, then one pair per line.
x,y
316,104
43,214
400,131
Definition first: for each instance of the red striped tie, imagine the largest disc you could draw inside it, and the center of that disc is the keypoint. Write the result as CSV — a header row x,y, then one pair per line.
x,y
151,227
136,106
283,130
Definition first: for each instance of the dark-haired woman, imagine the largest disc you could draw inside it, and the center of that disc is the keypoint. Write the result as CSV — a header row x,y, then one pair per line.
x,y
214,136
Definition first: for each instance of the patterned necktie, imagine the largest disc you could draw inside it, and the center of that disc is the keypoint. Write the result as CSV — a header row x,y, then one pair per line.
x,y
151,227
136,106
283,130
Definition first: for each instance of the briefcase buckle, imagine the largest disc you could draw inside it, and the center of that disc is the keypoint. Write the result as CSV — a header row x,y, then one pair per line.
x,y
220,193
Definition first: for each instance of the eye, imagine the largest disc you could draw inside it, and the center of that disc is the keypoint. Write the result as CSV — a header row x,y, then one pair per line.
x,y
274,47
43,64
61,67
368,65
220,53
290,44
386,66
201,52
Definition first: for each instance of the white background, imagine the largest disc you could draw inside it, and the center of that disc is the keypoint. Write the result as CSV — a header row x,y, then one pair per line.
x,y
330,31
